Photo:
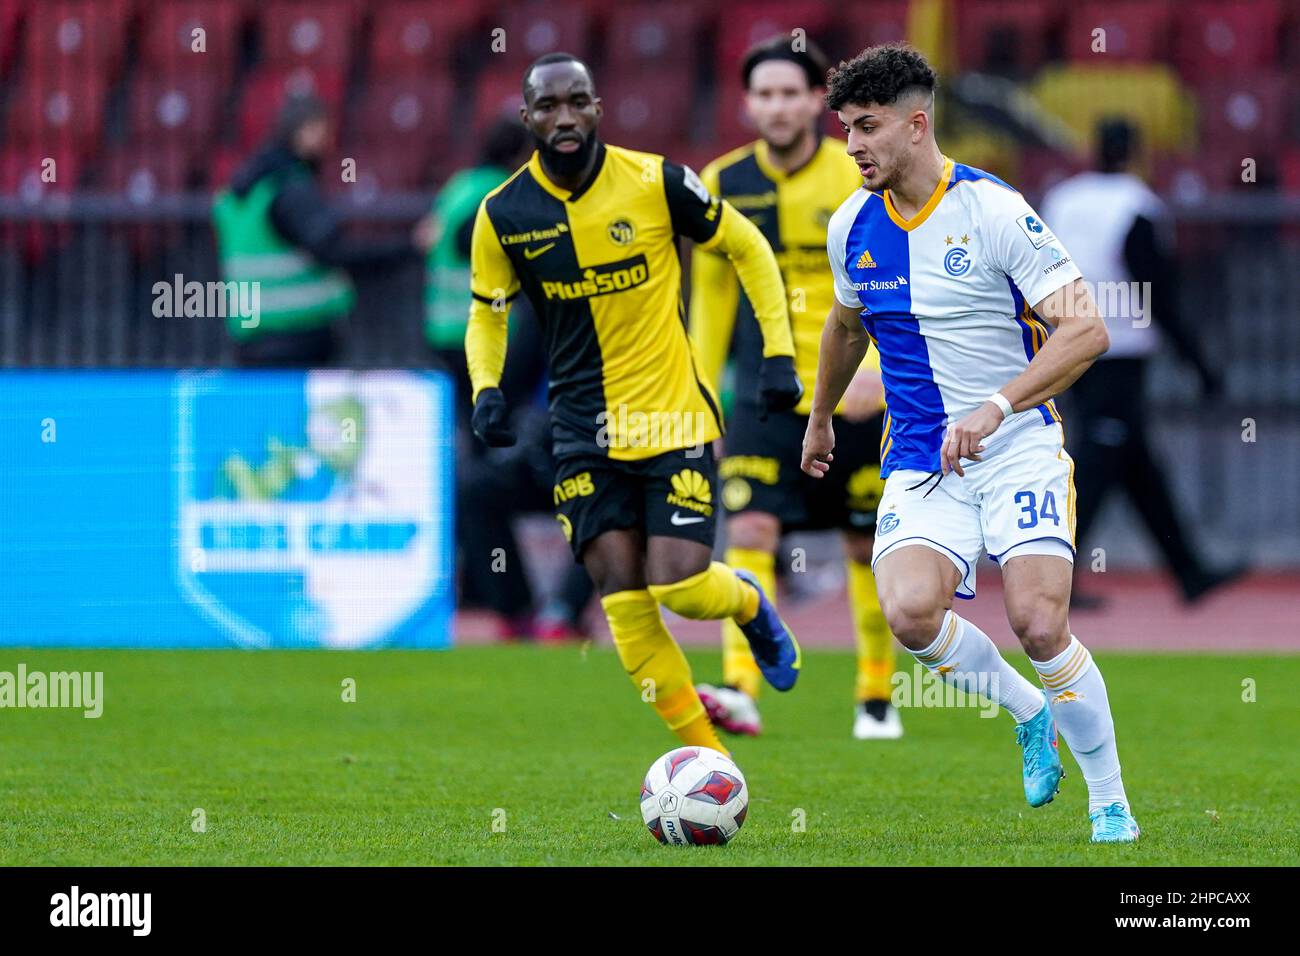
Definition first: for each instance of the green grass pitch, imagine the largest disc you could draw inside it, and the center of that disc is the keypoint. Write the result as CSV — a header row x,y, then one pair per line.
x,y
552,743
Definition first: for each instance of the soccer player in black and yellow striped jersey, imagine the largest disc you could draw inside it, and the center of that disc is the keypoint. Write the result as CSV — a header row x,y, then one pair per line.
x,y
589,233
788,183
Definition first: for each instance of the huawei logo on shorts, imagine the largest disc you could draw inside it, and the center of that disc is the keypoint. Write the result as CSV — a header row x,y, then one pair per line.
x,y
691,490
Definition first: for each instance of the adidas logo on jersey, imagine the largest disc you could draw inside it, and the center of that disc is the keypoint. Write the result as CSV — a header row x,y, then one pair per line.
x,y
865,261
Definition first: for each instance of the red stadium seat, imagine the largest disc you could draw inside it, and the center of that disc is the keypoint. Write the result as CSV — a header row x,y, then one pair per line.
x,y
653,34
406,114
69,114
144,169
37,176
1007,37
542,26
1290,172
11,17
1135,30
498,93
884,21
378,171
643,115
315,33
1224,37
1247,113
731,126
167,40
758,22
75,38
412,36
266,90
175,109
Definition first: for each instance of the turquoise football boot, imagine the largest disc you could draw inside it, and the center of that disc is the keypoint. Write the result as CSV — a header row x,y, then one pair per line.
x,y
775,650
1042,757
1114,824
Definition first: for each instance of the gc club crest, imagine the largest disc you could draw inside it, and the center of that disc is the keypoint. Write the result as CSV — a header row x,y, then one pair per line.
x,y
957,262
308,504
621,232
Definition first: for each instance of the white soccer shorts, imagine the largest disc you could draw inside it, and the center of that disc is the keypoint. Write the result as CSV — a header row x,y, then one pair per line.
x,y
1018,500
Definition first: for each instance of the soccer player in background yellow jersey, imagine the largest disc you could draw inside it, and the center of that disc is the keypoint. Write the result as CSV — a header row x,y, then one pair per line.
x,y
789,183
589,233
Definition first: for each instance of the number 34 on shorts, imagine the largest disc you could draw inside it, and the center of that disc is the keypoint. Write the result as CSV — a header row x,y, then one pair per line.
x,y
1021,496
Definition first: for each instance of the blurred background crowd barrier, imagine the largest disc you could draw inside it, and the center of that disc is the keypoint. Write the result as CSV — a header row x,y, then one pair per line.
x,y
116,129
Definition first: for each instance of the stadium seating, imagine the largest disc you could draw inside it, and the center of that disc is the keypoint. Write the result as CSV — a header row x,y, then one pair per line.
x,y
640,115
1007,37
1136,31
762,21
167,39
267,88
311,33
11,17
538,27
652,36
1225,37
182,110
412,36
75,38
48,109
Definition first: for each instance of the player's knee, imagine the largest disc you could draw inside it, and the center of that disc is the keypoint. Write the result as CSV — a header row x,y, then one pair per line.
x,y
754,531
914,615
1041,627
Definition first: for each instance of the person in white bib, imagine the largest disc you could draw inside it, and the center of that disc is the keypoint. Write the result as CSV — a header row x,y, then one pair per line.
x,y
980,318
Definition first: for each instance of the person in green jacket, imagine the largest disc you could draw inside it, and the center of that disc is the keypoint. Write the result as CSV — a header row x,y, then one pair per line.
x,y
446,287
274,228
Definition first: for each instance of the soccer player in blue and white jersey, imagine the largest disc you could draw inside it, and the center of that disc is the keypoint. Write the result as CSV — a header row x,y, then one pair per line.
x,y
956,281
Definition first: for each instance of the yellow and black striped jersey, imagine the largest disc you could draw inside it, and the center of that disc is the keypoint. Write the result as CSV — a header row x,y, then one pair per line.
x,y
600,266
792,210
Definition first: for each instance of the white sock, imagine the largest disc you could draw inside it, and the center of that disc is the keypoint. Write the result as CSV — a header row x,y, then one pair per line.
x,y
1082,711
964,656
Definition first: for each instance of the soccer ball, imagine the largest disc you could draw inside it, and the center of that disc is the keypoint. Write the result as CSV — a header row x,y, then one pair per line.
x,y
694,795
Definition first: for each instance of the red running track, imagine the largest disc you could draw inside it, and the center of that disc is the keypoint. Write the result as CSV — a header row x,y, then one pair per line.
x,y
1142,612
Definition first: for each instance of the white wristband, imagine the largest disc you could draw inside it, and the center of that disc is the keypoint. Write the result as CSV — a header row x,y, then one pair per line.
x,y
1000,400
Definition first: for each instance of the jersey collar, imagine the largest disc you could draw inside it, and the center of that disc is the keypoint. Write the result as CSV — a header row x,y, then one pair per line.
x,y
539,174
775,174
922,214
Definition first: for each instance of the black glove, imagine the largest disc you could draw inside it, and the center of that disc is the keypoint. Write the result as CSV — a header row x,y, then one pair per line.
x,y
491,419
778,384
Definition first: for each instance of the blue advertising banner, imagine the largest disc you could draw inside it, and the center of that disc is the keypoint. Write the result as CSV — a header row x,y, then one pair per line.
x,y
203,509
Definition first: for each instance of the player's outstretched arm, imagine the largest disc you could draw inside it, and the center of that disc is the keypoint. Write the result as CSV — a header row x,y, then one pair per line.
x,y
493,284
843,347
1080,337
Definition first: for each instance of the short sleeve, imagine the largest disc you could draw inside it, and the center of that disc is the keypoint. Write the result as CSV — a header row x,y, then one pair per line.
x,y
492,275
696,213
836,243
1024,248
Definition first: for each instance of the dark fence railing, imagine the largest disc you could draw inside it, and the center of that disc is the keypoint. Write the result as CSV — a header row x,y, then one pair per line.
x,y
77,281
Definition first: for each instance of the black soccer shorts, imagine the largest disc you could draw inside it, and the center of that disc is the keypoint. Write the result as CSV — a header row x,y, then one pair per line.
x,y
761,472
672,495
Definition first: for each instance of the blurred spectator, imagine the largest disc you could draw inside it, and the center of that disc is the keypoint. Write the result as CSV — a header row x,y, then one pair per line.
x,y
1111,223
495,486
274,228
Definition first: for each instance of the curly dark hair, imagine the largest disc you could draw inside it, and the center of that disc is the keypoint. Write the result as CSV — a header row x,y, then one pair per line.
x,y
879,74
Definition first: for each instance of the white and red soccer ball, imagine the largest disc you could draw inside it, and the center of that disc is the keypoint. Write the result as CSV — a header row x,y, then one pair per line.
x,y
694,796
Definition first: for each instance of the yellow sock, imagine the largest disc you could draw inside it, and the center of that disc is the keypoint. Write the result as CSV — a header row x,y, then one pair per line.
x,y
875,643
738,667
657,666
713,594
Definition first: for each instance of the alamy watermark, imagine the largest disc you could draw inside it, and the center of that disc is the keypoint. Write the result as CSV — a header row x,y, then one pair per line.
x,y
208,300
623,429
76,690
924,688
